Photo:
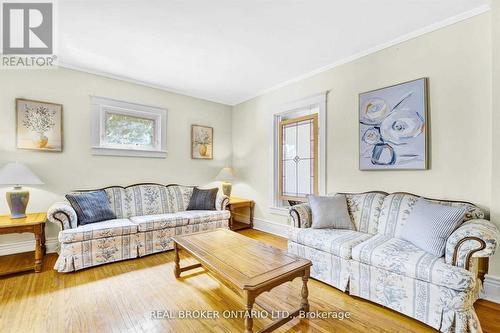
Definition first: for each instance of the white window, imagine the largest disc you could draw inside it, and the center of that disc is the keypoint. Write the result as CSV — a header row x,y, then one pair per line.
x,y
299,152
127,129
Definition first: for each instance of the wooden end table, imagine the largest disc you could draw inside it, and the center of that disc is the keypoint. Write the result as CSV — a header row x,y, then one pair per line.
x,y
248,267
241,213
32,223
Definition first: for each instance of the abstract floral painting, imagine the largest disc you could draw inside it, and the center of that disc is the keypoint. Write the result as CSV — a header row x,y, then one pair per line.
x,y
392,127
39,125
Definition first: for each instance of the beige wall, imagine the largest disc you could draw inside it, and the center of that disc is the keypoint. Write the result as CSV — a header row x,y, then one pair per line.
x,y
76,168
495,175
457,61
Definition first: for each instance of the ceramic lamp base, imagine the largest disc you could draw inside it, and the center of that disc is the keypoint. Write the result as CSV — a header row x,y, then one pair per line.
x,y
18,201
226,188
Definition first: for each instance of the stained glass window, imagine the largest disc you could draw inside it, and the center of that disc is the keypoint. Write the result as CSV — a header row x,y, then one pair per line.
x,y
298,157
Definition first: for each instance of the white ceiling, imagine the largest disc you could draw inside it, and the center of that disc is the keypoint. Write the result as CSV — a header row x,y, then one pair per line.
x,y
232,50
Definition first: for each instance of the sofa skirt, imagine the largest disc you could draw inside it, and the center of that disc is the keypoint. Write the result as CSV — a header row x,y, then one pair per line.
x,y
442,308
326,267
79,255
155,241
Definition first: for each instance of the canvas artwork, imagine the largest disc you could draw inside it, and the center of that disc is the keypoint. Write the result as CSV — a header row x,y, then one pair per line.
x,y
202,142
392,127
39,125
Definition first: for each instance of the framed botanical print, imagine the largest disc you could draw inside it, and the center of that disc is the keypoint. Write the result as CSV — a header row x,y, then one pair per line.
x,y
39,125
393,127
202,138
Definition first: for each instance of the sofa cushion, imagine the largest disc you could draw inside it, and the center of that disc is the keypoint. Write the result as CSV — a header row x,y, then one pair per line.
x,y
403,258
116,197
161,221
329,212
116,227
335,241
203,199
398,206
203,216
178,197
91,206
146,199
430,224
364,209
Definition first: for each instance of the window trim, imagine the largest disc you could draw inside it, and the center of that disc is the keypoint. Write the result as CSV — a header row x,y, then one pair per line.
x,y
318,100
100,106
314,118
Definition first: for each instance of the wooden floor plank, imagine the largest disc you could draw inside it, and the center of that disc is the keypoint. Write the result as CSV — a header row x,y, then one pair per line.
x,y
120,297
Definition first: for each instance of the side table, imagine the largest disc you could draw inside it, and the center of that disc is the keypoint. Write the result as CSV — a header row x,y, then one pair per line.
x,y
241,213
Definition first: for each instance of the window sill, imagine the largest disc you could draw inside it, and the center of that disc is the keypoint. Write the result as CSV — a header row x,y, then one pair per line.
x,y
128,152
279,211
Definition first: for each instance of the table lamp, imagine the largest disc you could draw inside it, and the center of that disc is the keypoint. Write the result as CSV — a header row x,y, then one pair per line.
x,y
226,174
18,174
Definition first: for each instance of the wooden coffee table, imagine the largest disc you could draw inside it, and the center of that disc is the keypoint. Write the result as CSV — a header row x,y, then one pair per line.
x,y
246,266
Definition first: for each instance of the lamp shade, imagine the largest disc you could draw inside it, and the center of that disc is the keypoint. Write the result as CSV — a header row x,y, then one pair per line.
x,y
225,174
18,174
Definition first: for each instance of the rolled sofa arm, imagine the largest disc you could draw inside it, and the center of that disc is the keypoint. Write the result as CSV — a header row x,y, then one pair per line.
x,y
301,215
474,238
62,214
221,202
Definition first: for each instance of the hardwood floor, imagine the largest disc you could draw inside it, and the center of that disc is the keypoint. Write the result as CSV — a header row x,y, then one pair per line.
x,y
121,297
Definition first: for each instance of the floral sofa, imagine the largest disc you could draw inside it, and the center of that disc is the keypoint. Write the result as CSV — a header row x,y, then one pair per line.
x,y
373,263
147,216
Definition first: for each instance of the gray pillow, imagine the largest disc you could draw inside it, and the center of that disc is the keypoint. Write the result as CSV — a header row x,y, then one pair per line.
x,y
203,199
430,224
330,212
91,206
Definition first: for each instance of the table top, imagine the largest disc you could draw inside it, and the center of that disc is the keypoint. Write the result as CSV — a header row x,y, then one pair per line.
x,y
31,219
236,200
245,262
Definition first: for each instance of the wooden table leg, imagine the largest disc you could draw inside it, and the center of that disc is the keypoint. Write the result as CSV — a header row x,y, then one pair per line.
x,y
177,270
304,303
44,250
38,249
249,300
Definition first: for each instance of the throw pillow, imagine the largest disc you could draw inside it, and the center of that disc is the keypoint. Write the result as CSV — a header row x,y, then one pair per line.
x,y
430,224
330,212
91,207
203,199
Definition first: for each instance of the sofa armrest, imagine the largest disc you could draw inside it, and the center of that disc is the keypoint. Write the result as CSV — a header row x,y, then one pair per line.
x,y
301,215
474,238
62,214
221,202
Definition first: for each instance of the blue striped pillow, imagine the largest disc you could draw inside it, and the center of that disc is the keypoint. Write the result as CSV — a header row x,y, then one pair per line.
x,y
430,224
90,207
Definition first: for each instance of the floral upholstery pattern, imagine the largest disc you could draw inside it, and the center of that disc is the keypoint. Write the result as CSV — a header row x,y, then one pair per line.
x,y
63,214
326,267
398,206
390,271
117,227
403,258
161,240
480,229
161,221
364,209
79,255
443,308
116,196
338,242
148,216
301,215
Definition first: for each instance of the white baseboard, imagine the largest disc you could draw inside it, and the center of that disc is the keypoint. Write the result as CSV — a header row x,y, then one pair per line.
x,y
278,229
491,288
51,244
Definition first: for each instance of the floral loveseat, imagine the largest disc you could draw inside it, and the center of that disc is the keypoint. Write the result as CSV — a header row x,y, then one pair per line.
x,y
147,216
373,263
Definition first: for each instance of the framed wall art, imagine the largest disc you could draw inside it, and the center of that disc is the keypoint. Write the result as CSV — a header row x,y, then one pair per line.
x,y
393,127
39,125
202,142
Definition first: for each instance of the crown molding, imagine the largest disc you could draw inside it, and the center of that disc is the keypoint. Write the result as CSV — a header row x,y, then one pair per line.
x,y
412,35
